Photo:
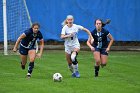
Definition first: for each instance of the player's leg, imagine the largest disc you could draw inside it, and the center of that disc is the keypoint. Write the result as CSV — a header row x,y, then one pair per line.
x,y
104,57
23,60
103,60
32,55
68,57
74,55
97,59
23,56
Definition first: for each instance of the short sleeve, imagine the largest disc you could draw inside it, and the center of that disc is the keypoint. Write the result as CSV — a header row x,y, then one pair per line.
x,y
107,32
80,27
40,36
92,32
27,32
63,31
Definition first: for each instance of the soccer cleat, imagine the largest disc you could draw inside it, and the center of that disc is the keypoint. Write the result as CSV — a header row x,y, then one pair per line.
x,y
22,66
28,75
77,74
73,75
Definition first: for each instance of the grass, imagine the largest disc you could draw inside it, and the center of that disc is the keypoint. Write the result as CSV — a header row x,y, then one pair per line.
x,y
122,74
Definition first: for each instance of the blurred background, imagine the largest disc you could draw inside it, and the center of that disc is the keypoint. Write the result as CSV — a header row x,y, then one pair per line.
x,y
124,15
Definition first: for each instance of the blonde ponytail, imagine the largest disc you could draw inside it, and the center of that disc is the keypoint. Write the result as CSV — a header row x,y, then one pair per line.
x,y
64,23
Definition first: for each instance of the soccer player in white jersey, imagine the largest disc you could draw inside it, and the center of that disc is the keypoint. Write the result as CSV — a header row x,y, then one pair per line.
x,y
72,45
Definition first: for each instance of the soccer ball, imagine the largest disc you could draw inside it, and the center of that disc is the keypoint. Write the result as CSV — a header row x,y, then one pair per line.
x,y
57,77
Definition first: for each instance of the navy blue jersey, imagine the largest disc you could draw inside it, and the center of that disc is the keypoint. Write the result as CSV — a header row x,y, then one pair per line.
x,y
30,39
100,38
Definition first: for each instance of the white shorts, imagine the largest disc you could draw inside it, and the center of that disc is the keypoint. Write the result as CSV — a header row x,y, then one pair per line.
x,y
70,49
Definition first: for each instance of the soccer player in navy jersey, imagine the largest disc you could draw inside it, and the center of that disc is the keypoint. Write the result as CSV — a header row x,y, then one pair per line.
x,y
100,47
28,47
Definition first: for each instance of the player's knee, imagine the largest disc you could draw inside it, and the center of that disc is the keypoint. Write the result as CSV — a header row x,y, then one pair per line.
x,y
73,56
97,63
32,59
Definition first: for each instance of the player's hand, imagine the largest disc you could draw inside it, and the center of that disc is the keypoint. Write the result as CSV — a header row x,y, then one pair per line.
x,y
71,34
14,49
67,36
38,55
107,49
91,41
92,49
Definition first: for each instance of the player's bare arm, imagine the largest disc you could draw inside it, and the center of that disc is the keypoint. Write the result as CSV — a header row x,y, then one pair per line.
x,y
110,43
18,41
89,44
66,36
41,48
90,36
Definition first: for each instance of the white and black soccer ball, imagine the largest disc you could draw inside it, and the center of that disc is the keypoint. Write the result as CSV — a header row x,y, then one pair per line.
x,y
57,77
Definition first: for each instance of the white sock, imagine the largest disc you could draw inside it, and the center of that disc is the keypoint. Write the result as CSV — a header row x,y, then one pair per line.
x,y
28,74
75,68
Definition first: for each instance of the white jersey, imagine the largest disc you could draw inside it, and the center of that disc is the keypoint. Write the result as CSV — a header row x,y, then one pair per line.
x,y
71,41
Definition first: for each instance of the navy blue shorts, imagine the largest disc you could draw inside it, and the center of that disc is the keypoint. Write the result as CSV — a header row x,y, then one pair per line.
x,y
24,51
102,51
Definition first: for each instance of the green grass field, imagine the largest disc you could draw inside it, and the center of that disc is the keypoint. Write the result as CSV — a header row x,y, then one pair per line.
x,y
122,74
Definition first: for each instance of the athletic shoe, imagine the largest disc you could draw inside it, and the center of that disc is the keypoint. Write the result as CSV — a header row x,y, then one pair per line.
x,y
77,74
28,75
22,66
73,75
